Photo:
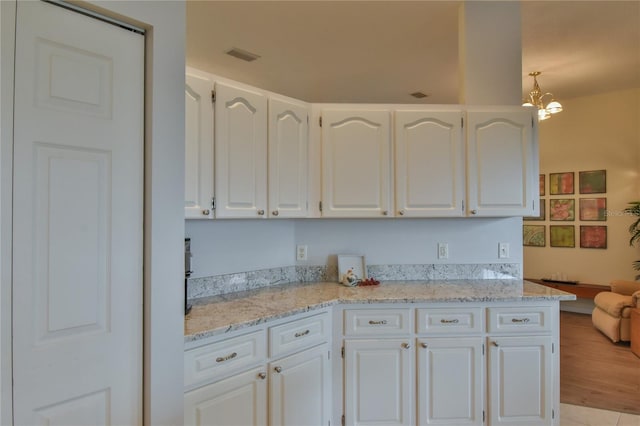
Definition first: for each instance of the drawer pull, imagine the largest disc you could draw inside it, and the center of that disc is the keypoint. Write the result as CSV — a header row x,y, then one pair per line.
x,y
380,322
301,333
424,345
227,358
278,369
494,343
262,375
520,320
446,321
406,346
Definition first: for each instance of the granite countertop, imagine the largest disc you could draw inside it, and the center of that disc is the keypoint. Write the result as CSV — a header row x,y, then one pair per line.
x,y
225,313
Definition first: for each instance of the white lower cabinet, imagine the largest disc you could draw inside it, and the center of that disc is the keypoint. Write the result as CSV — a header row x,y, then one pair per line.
x,y
238,382
450,381
238,400
460,364
299,389
520,380
379,382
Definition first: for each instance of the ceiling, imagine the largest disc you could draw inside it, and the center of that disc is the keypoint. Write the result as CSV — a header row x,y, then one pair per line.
x,y
381,51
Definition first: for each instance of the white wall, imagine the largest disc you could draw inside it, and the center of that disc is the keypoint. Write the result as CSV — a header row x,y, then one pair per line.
x,y
593,133
410,241
7,38
228,246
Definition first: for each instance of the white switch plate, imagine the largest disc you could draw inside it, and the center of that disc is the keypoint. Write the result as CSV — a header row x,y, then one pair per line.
x,y
301,252
443,250
503,250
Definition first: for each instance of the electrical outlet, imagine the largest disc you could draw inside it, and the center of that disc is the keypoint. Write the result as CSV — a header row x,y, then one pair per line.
x,y
443,250
301,252
503,250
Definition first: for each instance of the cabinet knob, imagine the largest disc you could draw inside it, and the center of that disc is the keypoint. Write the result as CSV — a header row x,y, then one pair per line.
x,y
494,343
275,213
278,369
424,345
401,212
474,211
385,213
262,375
261,212
406,346
206,212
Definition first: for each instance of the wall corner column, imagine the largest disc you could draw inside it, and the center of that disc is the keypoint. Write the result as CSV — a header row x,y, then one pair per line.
x,y
490,53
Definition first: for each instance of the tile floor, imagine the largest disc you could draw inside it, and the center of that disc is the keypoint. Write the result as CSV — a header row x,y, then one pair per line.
x,y
575,415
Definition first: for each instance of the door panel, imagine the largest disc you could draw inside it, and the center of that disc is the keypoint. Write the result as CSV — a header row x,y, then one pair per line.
x,y
77,254
240,152
502,164
430,167
288,161
356,163
379,382
198,183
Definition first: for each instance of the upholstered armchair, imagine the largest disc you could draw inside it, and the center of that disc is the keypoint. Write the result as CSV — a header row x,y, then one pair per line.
x,y
613,309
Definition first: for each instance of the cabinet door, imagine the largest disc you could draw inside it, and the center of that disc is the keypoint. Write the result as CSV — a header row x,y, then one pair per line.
x,y
429,164
356,163
240,400
450,381
520,380
240,153
288,162
198,182
379,382
502,158
299,389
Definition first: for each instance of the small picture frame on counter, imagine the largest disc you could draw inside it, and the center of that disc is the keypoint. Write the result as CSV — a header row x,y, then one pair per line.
x,y
351,269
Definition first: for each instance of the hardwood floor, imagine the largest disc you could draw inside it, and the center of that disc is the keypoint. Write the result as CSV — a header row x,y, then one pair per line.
x,y
595,372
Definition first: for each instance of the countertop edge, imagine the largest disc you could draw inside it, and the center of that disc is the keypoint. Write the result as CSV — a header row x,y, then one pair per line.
x,y
551,295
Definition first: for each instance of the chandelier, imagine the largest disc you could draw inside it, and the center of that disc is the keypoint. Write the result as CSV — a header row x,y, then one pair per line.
x,y
537,99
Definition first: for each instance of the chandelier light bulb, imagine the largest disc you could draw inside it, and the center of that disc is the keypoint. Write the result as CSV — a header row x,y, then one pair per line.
x,y
536,98
554,107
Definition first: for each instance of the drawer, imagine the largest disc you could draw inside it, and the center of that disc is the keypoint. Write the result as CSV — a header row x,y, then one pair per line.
x,y
377,322
298,334
522,319
450,321
209,362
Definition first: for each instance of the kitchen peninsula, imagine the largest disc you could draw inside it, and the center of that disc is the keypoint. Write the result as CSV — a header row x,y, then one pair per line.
x,y
405,352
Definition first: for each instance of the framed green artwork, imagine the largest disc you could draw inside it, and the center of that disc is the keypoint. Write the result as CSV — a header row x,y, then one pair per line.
x,y
562,236
562,209
541,183
593,182
561,183
593,209
533,236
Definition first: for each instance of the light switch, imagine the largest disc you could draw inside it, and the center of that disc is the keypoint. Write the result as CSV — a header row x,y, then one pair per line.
x,y
503,250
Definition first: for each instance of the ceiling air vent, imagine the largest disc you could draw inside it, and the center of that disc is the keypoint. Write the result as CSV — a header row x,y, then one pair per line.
x,y
242,54
419,95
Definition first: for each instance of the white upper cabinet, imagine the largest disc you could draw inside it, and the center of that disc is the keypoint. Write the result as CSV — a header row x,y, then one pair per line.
x,y
288,161
502,163
429,163
356,163
198,185
240,152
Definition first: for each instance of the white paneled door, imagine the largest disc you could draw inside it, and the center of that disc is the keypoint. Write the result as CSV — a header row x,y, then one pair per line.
x,y
77,230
